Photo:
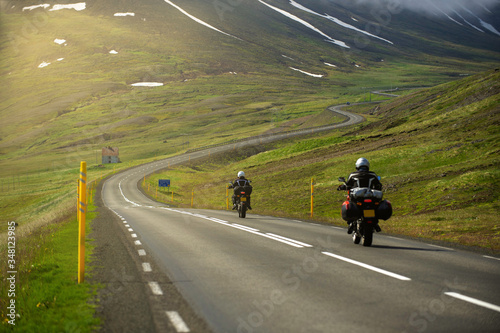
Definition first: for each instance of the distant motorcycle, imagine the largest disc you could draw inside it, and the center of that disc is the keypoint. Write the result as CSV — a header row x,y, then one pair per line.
x,y
363,208
242,199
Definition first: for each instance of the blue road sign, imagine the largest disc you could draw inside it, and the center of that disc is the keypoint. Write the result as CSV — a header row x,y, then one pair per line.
x,y
164,182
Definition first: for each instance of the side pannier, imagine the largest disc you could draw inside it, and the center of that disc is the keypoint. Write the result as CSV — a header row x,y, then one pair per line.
x,y
384,210
350,211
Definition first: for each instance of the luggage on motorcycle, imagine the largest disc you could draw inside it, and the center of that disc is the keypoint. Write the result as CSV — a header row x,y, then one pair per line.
x,y
361,193
350,211
358,193
377,195
247,189
384,210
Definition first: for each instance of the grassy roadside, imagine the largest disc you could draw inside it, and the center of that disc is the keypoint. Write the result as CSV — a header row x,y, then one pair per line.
x,y
46,295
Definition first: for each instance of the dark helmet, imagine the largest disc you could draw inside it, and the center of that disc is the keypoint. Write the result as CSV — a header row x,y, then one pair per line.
x,y
362,164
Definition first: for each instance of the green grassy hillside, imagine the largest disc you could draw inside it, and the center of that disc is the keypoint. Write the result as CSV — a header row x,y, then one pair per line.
x,y
436,149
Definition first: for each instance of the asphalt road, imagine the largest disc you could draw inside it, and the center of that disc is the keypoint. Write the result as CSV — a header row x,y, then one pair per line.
x,y
267,274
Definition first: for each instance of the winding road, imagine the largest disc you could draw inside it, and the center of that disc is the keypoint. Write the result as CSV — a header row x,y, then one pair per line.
x,y
206,270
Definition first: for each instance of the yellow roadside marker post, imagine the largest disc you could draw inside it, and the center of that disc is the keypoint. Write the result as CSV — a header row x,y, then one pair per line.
x,y
312,197
82,208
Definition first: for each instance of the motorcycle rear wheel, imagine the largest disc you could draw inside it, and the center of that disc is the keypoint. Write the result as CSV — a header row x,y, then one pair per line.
x,y
368,236
242,211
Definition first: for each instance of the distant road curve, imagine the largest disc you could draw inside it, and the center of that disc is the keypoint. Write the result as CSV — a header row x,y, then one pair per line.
x,y
350,119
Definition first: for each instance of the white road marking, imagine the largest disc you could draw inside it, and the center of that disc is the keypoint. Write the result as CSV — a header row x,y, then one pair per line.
x,y
146,267
491,257
244,227
141,252
137,242
441,247
124,197
134,235
176,320
373,268
130,229
290,240
155,288
474,301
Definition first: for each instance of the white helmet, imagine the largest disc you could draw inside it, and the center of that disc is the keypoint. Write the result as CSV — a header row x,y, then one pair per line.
x,y
241,174
362,162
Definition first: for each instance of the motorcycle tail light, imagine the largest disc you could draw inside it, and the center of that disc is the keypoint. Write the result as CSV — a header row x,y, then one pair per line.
x,y
368,200
242,192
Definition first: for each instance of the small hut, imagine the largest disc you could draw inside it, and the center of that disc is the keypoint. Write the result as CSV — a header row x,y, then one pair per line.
x,y
110,155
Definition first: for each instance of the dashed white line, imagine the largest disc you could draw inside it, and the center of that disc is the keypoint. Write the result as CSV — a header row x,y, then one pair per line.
x,y
176,320
373,268
134,235
146,267
137,242
155,288
474,301
130,229
141,252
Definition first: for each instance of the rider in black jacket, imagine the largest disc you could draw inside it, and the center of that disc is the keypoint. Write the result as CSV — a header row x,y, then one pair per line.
x,y
362,177
240,181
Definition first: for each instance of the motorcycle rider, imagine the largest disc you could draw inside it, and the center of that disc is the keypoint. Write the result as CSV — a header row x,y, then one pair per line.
x,y
362,177
240,181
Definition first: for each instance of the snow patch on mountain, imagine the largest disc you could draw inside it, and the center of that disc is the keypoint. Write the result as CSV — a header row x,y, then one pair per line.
x,y
30,8
307,73
337,21
76,6
197,19
307,24
485,25
124,14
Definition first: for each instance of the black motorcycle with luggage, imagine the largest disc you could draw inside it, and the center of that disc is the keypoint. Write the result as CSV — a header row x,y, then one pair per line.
x,y
242,199
363,209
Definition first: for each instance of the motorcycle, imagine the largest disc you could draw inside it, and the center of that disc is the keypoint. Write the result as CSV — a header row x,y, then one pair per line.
x,y
363,209
241,202
242,199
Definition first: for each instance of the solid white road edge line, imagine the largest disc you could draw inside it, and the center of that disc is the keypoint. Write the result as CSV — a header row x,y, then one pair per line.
x,y
474,301
373,268
176,320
